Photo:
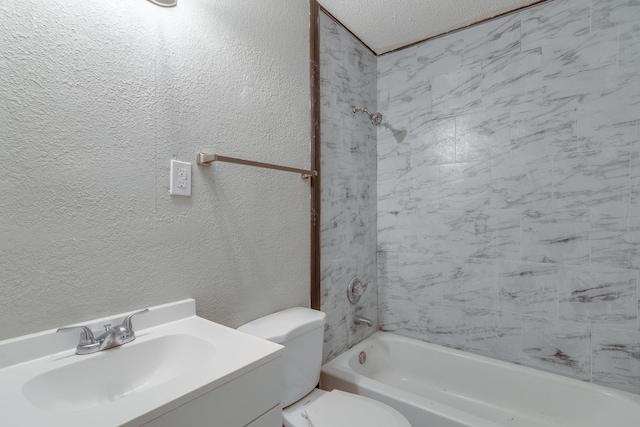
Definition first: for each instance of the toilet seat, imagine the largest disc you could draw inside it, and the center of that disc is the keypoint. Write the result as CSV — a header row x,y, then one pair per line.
x,y
340,409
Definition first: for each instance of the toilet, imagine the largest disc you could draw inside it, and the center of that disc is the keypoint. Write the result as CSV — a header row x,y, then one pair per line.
x,y
301,332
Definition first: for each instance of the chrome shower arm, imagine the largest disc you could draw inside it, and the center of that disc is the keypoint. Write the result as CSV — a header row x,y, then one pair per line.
x,y
376,118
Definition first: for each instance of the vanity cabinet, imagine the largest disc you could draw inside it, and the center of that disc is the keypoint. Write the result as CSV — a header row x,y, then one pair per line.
x,y
251,400
273,418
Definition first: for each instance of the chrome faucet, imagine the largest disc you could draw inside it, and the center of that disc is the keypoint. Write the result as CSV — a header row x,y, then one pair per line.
x,y
112,336
360,320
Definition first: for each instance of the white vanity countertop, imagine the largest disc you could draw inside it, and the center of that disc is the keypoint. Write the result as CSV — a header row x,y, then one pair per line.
x,y
221,355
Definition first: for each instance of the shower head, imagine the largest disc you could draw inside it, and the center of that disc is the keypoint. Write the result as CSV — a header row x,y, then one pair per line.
x,y
376,118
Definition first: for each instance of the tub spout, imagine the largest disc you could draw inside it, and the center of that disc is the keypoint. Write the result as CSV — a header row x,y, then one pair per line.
x,y
360,320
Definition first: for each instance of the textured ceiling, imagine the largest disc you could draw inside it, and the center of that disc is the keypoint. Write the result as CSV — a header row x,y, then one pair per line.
x,y
385,25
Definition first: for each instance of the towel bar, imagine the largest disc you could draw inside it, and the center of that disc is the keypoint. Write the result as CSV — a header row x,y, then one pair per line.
x,y
204,159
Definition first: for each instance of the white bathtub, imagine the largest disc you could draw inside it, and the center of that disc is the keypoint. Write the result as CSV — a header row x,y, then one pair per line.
x,y
435,386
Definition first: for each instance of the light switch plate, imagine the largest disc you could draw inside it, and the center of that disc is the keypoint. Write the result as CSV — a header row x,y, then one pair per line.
x,y
180,179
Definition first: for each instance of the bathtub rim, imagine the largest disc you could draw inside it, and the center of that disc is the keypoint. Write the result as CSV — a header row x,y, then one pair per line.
x,y
339,370
342,361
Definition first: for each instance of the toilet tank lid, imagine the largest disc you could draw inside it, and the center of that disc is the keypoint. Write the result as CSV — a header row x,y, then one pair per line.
x,y
285,325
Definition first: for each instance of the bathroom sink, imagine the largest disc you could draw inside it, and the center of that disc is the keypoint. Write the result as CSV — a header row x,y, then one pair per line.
x,y
177,358
114,374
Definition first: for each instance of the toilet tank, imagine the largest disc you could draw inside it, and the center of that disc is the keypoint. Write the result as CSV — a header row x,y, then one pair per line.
x,y
301,332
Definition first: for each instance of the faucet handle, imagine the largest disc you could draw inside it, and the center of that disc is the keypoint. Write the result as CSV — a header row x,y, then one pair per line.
x,y
86,336
127,320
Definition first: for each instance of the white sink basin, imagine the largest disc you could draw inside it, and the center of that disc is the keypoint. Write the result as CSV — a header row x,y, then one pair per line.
x,y
176,357
118,372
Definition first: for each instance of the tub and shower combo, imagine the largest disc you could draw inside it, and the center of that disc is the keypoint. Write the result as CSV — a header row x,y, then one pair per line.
x,y
434,386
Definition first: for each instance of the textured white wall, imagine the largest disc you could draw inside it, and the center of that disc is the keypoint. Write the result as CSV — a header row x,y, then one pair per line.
x,y
96,97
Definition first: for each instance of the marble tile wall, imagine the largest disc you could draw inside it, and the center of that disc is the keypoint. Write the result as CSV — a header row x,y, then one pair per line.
x,y
508,188
348,204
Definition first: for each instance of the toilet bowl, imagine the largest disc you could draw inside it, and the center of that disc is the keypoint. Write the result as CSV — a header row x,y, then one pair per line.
x,y
301,332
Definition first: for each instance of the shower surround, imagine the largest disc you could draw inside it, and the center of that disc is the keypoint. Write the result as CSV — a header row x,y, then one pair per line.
x,y
348,182
508,185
